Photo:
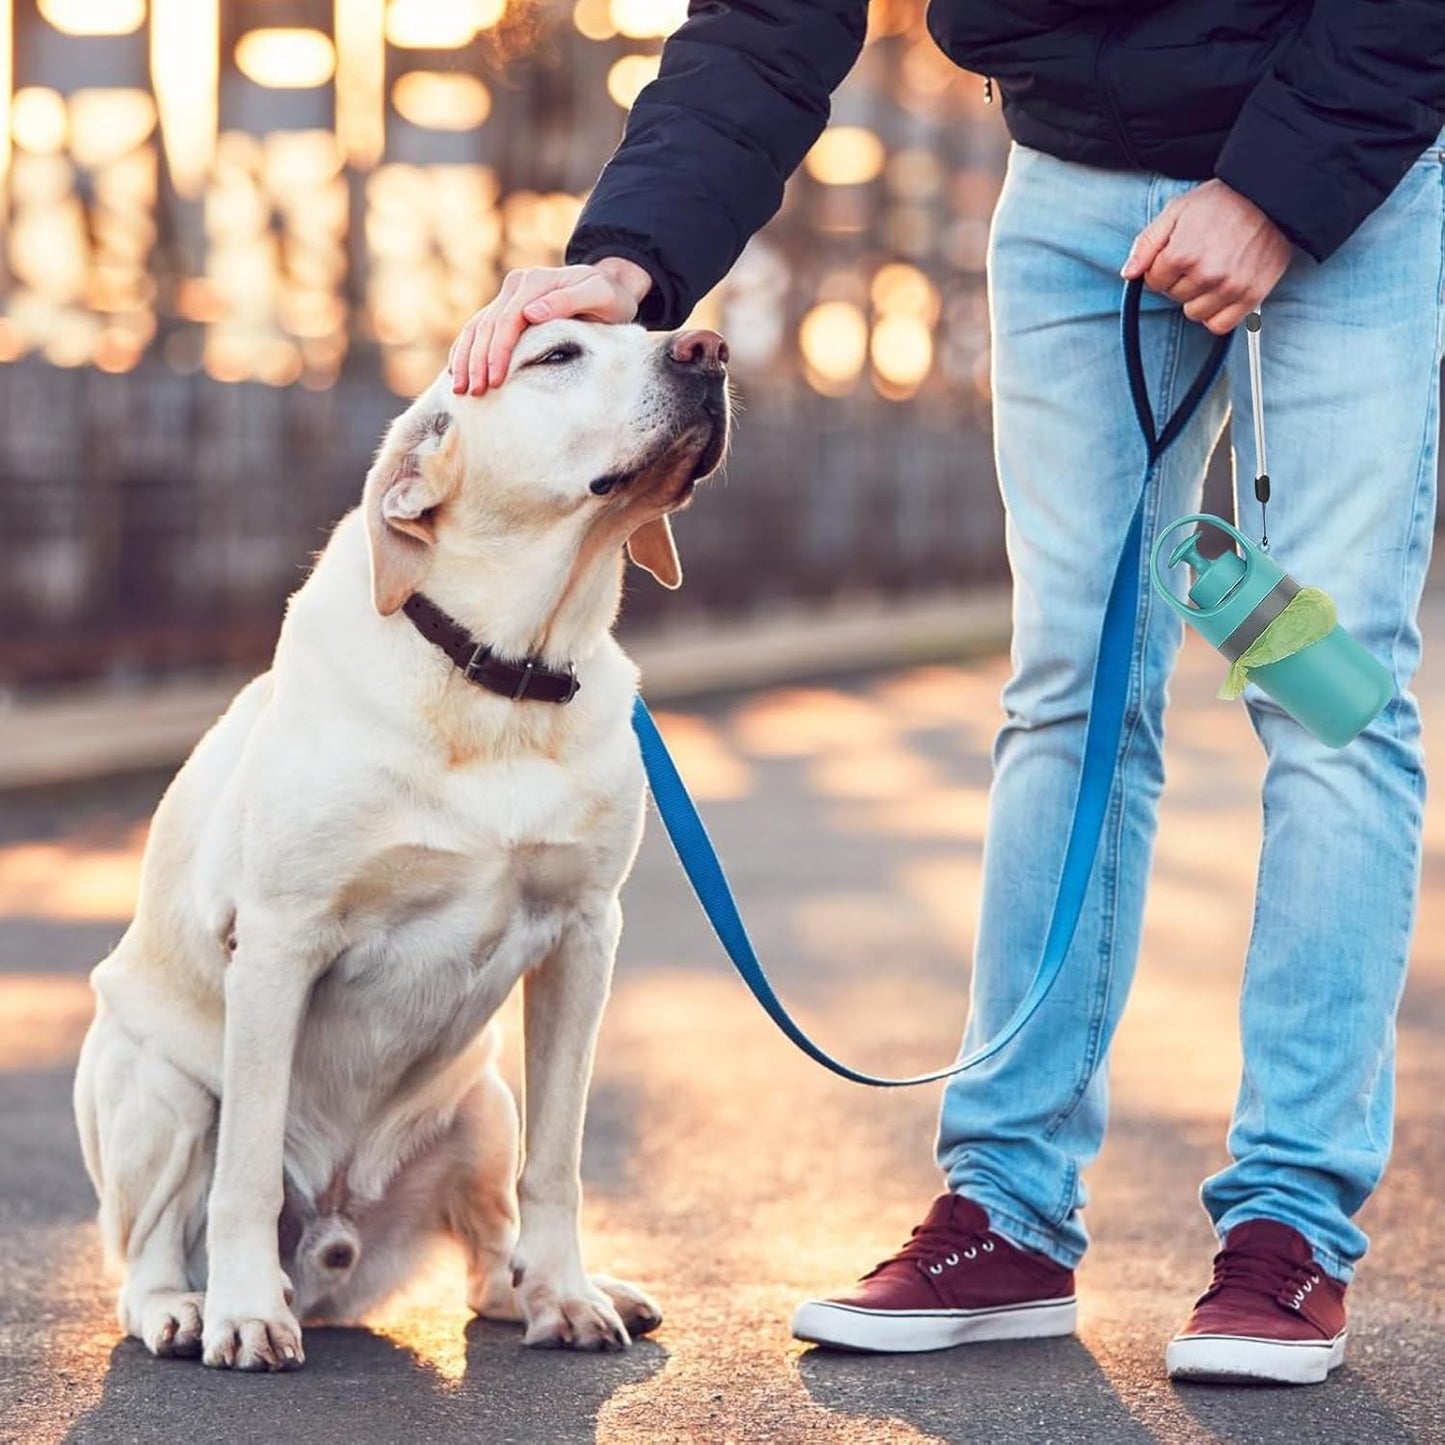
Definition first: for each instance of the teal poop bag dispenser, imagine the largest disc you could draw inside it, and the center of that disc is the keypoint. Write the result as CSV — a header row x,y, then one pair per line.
x,y
1275,633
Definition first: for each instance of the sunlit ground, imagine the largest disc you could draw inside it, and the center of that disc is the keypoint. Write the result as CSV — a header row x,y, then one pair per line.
x,y
731,1176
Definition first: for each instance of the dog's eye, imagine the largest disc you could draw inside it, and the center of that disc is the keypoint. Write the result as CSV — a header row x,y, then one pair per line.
x,y
558,355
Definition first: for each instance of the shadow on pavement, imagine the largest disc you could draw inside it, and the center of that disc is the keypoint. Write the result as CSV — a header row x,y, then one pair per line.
x,y
1052,1389
1238,1412
358,1385
1057,1390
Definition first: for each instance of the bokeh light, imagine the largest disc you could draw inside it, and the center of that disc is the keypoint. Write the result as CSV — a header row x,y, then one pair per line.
x,y
902,351
185,70
38,120
441,100
432,24
643,19
628,77
105,124
898,288
846,155
286,59
94,17
593,19
834,342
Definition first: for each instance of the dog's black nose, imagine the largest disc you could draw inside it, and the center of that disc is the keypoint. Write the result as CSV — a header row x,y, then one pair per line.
x,y
704,349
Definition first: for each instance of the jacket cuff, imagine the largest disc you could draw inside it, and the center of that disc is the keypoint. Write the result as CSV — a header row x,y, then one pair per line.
x,y
1318,188
662,309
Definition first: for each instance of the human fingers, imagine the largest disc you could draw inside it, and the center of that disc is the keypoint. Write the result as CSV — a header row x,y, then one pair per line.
x,y
1225,316
1169,267
460,357
469,351
594,296
511,321
1150,242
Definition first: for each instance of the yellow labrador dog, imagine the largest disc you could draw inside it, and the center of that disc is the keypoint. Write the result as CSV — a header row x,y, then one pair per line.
x,y
289,1089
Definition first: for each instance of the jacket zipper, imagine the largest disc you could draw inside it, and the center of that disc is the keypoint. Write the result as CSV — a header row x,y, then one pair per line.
x,y
1101,84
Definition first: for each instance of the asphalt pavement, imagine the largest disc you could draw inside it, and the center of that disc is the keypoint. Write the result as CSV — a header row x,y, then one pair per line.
x,y
732,1177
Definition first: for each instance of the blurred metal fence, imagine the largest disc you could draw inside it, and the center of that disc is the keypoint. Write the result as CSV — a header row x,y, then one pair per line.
x,y
239,232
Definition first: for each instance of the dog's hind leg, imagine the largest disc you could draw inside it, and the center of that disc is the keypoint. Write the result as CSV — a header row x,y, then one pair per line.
x,y
147,1134
481,1203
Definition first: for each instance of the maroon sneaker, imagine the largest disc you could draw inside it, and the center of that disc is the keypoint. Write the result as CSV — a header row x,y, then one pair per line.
x,y
954,1283
1270,1314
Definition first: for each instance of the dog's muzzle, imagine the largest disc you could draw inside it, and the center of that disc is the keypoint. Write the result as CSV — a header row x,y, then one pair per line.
x,y
697,361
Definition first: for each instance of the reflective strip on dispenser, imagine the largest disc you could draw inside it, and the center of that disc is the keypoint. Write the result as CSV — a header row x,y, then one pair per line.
x,y
1266,610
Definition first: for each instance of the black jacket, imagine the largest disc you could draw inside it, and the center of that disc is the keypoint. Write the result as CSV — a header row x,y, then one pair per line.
x,y
1314,109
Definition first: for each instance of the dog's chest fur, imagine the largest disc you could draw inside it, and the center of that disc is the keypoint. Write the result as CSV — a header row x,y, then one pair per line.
x,y
438,934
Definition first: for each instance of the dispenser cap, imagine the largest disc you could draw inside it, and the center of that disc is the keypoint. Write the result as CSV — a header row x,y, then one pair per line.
x,y
1215,577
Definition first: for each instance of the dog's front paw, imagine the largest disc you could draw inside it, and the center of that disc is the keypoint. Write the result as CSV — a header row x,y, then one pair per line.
x,y
598,1314
580,1318
251,1339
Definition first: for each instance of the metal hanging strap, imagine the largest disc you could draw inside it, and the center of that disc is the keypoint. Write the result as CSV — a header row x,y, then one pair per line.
x,y
1252,324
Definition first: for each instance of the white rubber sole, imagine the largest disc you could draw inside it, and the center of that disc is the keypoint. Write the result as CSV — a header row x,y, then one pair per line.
x,y
1239,1360
846,1327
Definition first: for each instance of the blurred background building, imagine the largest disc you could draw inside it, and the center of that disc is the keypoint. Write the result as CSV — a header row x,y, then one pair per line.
x,y
238,233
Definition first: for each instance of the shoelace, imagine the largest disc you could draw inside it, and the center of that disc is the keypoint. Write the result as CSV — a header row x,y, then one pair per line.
x,y
935,1250
1281,1281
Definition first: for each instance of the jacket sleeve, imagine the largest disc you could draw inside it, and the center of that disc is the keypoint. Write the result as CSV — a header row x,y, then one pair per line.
x,y
1344,113
742,94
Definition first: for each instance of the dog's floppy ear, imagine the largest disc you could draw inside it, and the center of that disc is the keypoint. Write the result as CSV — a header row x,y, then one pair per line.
x,y
653,549
417,469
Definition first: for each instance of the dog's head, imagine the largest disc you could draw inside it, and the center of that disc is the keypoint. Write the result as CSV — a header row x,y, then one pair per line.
x,y
598,434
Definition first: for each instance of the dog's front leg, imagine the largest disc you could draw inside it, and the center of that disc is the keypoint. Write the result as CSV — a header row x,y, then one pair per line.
x,y
248,1320
563,1002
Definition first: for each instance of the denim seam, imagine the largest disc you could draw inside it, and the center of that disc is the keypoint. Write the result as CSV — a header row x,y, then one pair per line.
x,y
1109,871
1416,517
1431,412
1020,1231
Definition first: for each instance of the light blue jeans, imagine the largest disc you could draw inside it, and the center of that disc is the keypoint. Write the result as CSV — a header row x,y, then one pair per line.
x,y
1352,385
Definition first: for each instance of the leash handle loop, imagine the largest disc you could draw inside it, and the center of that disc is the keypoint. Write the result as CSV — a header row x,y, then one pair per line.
x,y
1160,442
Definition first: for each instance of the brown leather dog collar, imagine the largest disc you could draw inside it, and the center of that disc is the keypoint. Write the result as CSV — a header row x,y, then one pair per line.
x,y
528,680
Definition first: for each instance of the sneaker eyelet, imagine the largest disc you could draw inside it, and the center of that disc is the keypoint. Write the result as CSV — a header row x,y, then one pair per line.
x,y
970,1253
935,1269
1314,1279
951,1260
987,1246
1309,1287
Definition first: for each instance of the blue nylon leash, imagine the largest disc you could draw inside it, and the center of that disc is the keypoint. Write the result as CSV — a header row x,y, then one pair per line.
x,y
1107,706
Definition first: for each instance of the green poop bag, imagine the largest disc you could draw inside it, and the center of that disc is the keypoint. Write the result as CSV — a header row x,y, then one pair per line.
x,y
1309,616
